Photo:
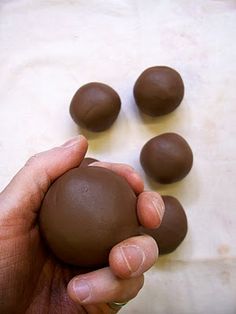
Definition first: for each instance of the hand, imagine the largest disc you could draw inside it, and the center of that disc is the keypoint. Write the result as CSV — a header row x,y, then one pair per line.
x,y
31,279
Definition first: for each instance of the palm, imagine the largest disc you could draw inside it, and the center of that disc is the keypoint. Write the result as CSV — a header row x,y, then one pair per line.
x,y
31,274
40,281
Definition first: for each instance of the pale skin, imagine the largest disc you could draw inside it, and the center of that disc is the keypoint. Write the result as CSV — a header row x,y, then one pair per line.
x,y
32,280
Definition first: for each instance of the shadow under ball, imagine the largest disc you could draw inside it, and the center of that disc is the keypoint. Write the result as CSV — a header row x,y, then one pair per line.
x,y
166,158
173,228
85,213
158,90
95,106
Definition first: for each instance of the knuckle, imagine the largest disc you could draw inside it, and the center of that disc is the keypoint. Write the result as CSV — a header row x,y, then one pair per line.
x,y
37,168
33,160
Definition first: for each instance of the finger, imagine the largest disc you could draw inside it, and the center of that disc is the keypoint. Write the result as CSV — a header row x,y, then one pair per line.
x,y
100,308
102,286
26,190
125,171
150,209
132,257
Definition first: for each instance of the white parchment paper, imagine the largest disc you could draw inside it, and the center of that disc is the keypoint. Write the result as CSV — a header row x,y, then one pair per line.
x,y
49,48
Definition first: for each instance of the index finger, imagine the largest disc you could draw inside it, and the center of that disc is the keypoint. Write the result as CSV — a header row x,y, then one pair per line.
x,y
126,171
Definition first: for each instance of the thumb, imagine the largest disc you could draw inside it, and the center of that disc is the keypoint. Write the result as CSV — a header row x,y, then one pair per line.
x,y
21,199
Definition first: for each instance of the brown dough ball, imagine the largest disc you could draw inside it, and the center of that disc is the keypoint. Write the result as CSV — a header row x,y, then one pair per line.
x,y
95,106
158,90
87,161
166,158
173,228
85,213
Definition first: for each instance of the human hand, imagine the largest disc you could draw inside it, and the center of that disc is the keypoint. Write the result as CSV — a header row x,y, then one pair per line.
x,y
32,280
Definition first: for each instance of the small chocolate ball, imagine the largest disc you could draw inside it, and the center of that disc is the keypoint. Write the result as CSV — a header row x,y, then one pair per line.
x,y
166,158
173,228
87,161
158,90
95,106
85,213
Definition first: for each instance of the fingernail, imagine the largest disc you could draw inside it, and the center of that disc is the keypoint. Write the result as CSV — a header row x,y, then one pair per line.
x,y
133,256
82,290
159,206
72,141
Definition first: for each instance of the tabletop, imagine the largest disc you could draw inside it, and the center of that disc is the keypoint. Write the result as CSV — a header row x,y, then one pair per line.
x,y
48,49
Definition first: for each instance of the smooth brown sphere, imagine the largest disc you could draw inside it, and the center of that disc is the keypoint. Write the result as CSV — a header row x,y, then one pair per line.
x,y
95,106
85,213
167,158
158,90
173,228
87,161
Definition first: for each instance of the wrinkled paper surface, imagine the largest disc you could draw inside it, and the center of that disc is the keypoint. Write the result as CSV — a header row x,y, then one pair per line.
x,y
48,49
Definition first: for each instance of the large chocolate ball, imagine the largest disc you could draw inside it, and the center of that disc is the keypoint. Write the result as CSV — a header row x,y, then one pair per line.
x,y
95,106
85,213
173,228
158,90
166,158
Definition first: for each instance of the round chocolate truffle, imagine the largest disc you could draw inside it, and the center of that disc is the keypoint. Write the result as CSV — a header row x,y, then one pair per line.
x,y
87,161
85,213
166,158
95,106
158,90
173,228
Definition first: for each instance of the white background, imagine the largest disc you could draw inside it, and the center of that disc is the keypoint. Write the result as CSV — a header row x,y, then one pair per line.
x,y
48,49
